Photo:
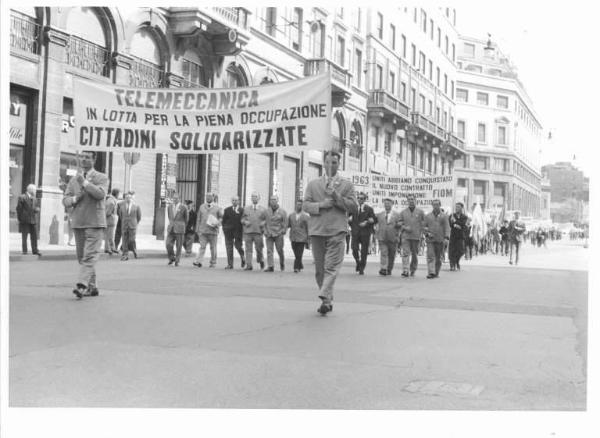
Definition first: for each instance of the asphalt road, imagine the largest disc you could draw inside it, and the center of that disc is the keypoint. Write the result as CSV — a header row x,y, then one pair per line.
x,y
491,337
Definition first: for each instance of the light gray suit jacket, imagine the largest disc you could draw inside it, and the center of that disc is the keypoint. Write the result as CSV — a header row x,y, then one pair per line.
x,y
88,208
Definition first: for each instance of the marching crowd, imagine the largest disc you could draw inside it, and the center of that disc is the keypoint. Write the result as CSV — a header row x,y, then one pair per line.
x,y
330,220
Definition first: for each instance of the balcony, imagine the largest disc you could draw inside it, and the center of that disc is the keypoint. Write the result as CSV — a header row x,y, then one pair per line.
x,y
24,33
341,79
456,142
227,28
144,74
87,56
388,107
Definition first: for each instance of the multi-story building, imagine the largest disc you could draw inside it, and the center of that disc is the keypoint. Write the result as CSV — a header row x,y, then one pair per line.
x,y
501,129
393,83
566,182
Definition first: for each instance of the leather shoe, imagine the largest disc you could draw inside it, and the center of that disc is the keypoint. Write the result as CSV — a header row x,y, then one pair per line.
x,y
430,276
228,267
176,263
170,262
405,274
135,254
262,265
124,258
248,268
382,272
325,308
283,267
92,292
270,269
361,272
243,263
39,254
198,265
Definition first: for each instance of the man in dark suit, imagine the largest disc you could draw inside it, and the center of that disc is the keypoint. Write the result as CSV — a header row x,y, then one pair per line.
x,y
27,210
131,215
362,223
85,193
178,217
190,228
233,230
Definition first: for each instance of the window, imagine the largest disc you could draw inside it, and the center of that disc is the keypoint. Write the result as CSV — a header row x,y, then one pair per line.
x,y
431,70
439,38
502,135
424,21
379,77
481,135
482,98
437,71
318,40
445,83
404,46
271,21
451,89
340,50
430,112
422,65
421,158
437,114
413,49
445,120
376,133
392,84
469,50
393,36
447,46
340,12
380,25
429,161
431,29
451,127
422,98
411,151
358,18
415,15
297,30
413,94
453,52
479,163
502,101
358,67
387,145
403,91
500,164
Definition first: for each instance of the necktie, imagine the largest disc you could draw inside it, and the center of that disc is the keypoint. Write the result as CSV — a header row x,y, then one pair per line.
x,y
387,218
128,208
254,207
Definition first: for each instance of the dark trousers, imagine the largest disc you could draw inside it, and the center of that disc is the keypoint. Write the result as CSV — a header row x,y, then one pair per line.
x,y
456,250
434,257
516,245
360,242
129,240
177,239
233,239
118,233
189,242
298,248
30,229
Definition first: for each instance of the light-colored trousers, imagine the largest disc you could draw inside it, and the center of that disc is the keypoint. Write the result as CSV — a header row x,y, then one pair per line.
x,y
278,242
87,244
251,239
435,251
109,238
410,253
328,252
208,239
387,250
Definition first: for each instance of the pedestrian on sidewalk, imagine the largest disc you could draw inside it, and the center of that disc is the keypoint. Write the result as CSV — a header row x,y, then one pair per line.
x,y
27,211
275,228
119,227
363,220
411,219
458,234
178,217
131,215
233,231
516,228
298,225
85,193
253,222
190,229
328,200
110,205
209,219
437,231
388,229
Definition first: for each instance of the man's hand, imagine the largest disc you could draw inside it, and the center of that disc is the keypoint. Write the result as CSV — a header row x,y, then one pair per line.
x,y
362,224
79,178
457,226
370,220
330,191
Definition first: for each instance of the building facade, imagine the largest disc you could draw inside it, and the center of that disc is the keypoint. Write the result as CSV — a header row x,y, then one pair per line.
x,y
568,192
501,130
393,83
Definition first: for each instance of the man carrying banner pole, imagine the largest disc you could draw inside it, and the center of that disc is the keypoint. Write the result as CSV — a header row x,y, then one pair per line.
x,y
327,200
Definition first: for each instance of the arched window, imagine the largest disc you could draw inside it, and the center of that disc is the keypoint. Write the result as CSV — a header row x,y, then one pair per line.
x,y
87,48
234,77
192,70
338,131
147,70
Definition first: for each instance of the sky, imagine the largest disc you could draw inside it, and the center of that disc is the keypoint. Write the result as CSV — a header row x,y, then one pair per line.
x,y
556,56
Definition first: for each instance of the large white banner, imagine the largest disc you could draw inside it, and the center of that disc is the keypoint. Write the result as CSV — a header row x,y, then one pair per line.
x,y
292,115
424,188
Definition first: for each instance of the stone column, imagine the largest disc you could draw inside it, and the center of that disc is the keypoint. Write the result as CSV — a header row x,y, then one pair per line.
x,y
50,120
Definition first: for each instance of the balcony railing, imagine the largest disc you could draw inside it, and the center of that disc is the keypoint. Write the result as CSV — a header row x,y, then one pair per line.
x,y
441,132
235,16
456,142
24,33
87,56
338,74
144,74
381,98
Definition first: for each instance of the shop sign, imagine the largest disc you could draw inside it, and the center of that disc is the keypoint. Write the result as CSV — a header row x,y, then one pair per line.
x,y
288,116
18,120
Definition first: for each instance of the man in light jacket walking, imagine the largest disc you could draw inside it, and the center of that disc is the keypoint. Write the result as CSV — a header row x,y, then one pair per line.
x,y
209,219
411,219
388,235
437,232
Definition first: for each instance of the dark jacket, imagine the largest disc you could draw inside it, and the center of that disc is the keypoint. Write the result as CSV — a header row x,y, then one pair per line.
x,y
27,209
191,223
177,219
458,227
232,221
131,218
360,216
